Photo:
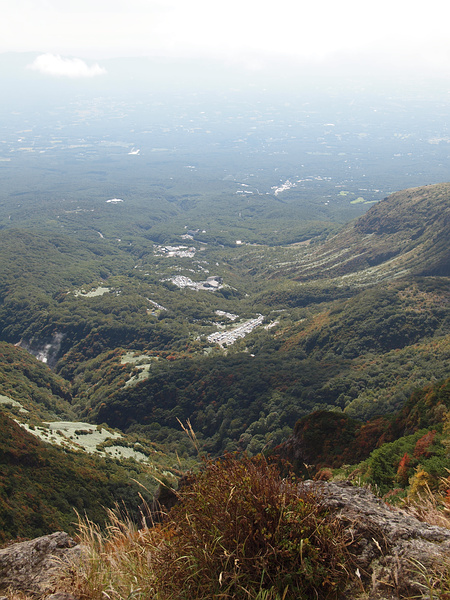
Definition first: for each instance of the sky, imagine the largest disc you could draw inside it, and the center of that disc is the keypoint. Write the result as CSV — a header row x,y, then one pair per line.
x,y
72,37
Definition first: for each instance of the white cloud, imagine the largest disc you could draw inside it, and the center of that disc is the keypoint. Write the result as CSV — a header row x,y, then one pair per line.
x,y
399,33
53,64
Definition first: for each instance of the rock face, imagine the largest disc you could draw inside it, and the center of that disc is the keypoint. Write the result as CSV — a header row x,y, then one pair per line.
x,y
392,550
31,567
45,350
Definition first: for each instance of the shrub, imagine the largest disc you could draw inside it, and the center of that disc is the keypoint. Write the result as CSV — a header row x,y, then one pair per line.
x,y
240,528
238,531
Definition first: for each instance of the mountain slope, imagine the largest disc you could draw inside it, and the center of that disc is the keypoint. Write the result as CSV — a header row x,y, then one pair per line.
x,y
404,234
327,344
41,485
28,386
332,439
364,352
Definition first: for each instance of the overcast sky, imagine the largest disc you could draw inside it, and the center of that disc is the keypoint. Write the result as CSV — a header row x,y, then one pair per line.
x,y
396,33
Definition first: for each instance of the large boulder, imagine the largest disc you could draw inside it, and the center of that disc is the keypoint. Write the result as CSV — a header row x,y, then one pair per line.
x,y
32,567
393,552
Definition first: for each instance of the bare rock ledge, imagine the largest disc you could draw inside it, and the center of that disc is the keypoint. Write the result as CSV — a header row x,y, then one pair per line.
x,y
387,545
33,566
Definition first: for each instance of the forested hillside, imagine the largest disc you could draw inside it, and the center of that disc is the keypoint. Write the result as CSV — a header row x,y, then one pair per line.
x,y
42,486
396,445
242,340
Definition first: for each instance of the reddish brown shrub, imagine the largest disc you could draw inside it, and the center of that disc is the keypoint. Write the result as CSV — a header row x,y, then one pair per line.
x,y
239,529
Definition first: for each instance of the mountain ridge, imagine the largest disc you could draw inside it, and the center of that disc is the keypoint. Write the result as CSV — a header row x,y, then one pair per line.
x,y
403,234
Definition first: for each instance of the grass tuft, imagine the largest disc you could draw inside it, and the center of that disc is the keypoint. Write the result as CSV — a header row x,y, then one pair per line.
x,y
429,507
434,583
239,531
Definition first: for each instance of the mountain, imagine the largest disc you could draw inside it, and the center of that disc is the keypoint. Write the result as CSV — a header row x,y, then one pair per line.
x,y
404,234
360,341
51,464
41,486
331,439
29,387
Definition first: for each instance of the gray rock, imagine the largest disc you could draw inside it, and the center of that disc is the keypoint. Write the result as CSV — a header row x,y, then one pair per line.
x,y
31,566
391,549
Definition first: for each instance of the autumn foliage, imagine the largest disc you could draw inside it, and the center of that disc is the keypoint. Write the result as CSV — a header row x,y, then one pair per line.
x,y
238,531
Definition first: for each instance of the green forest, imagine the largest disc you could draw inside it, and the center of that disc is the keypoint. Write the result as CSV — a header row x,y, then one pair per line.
x,y
322,332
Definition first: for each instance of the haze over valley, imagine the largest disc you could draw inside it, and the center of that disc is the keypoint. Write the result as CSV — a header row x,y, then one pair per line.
x,y
323,151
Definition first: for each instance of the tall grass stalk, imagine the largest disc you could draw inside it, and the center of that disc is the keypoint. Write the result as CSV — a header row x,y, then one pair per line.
x,y
429,507
434,582
115,563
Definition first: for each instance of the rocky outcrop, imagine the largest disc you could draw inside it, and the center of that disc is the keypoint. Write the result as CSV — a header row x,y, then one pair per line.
x,y
46,350
392,551
32,567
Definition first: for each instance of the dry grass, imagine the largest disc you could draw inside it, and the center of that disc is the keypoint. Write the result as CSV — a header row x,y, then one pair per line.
x,y
429,507
238,531
433,509
434,583
15,595
116,562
